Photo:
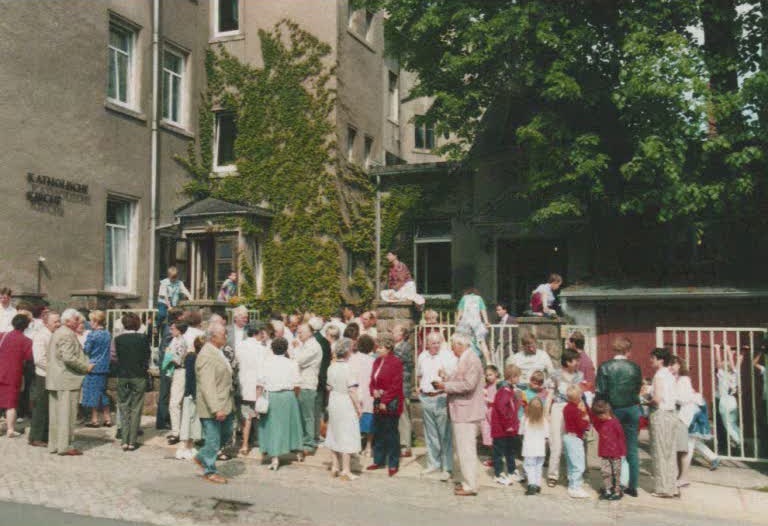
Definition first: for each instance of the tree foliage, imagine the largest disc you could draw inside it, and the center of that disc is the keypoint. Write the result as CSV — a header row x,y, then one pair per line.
x,y
650,109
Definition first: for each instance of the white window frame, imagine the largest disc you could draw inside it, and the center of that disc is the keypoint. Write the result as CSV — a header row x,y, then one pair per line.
x,y
131,84
226,168
394,97
215,13
351,141
133,238
427,241
182,76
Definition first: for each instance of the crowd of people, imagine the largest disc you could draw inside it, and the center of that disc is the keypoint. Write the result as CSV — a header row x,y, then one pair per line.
x,y
293,382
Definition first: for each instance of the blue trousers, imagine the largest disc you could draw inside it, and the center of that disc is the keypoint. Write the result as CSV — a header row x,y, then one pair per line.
x,y
215,434
629,417
574,454
386,441
437,432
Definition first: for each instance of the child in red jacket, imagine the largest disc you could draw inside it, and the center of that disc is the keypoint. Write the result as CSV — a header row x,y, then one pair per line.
x,y
575,424
505,426
611,448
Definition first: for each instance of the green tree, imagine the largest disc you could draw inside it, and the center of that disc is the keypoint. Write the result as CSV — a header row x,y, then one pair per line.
x,y
616,110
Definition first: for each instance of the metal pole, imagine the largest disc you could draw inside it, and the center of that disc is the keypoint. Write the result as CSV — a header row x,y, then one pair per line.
x,y
378,237
154,151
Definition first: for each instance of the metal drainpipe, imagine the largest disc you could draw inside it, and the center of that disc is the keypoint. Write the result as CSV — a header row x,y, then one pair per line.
x,y
154,141
378,236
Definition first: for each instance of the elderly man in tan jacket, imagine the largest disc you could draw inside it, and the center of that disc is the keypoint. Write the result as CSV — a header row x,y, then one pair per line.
x,y
67,365
213,373
466,407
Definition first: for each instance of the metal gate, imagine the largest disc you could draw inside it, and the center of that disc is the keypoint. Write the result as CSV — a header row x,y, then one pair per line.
x,y
721,361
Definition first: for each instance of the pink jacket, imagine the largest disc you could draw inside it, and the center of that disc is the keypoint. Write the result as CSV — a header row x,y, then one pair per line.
x,y
466,402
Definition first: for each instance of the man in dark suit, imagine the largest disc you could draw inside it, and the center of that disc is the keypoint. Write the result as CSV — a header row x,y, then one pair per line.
x,y
503,337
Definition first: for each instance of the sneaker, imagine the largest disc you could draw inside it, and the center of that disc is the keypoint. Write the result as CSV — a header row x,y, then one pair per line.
x,y
632,492
531,490
429,471
182,454
577,493
715,464
445,476
517,476
683,483
614,496
503,480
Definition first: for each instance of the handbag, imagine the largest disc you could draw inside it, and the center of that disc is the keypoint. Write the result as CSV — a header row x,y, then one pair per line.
x,y
262,404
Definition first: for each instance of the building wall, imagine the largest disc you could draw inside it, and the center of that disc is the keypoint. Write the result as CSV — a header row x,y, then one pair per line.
x,y
55,121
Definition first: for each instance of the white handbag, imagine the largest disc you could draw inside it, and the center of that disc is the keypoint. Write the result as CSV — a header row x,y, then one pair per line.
x,y
262,404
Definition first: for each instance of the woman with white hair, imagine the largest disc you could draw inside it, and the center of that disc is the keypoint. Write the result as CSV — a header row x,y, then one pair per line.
x,y
344,410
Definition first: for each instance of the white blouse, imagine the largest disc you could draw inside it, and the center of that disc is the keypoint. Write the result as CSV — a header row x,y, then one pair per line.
x,y
279,373
665,381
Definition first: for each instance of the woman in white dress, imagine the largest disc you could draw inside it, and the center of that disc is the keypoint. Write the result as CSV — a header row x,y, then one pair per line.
x,y
344,409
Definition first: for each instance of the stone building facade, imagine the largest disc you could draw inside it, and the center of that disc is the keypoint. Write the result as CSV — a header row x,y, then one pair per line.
x,y
77,128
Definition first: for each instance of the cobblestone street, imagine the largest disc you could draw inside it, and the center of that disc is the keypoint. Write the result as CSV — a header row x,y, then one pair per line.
x,y
149,486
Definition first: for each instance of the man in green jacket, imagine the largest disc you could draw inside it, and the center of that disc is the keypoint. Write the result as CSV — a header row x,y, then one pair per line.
x,y
618,382
67,366
213,374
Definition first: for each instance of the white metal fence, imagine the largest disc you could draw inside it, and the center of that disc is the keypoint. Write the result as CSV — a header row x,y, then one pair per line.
x,y
148,326
720,361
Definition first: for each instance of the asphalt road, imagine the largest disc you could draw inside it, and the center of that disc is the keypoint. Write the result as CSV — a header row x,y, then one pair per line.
x,y
12,514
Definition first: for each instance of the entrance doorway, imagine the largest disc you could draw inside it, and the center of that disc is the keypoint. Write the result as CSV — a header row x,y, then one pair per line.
x,y
523,264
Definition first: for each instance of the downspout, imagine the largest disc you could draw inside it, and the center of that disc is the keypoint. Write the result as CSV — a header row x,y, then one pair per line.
x,y
153,155
378,236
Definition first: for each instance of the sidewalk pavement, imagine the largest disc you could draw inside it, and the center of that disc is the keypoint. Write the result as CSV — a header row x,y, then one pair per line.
x,y
728,493
732,492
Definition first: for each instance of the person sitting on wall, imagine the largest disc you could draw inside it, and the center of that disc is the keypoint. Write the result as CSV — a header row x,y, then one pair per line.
x,y
401,284
228,288
543,300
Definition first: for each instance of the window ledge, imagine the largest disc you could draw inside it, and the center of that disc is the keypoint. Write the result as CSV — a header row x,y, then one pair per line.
x,y
116,294
224,171
393,121
176,129
125,110
423,151
361,39
226,37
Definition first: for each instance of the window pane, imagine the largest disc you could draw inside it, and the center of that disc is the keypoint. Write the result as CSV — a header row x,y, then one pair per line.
x,y
224,249
228,16
434,268
122,78
430,138
121,257
112,79
176,98
172,62
419,138
119,39
223,269
181,251
108,277
166,95
227,132
118,212
351,137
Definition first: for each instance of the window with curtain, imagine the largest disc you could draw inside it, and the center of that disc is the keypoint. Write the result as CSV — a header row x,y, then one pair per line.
x,y
118,249
120,64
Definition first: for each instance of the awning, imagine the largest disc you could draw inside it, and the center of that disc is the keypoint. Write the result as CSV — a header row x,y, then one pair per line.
x,y
212,207
638,293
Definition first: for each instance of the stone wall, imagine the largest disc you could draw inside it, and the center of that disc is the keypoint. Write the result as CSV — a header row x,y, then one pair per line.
x,y
547,332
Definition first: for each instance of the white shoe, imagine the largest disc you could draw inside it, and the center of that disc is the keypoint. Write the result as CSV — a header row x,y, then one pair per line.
x,y
182,454
578,493
503,480
517,476
191,453
445,476
428,471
